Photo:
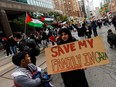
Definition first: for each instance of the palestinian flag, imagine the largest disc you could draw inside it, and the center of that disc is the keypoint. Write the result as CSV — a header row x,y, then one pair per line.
x,y
49,19
48,26
46,20
33,22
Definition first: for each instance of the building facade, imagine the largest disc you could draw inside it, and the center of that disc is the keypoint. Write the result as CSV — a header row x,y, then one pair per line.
x,y
82,8
42,3
59,7
18,6
96,13
88,7
112,6
68,7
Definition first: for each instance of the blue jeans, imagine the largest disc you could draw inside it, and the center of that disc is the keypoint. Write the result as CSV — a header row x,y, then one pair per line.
x,y
13,49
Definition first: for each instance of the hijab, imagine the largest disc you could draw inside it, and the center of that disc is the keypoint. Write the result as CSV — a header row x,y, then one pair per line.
x,y
67,31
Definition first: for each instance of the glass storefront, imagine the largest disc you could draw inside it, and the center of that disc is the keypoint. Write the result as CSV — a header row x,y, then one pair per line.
x,y
41,3
23,1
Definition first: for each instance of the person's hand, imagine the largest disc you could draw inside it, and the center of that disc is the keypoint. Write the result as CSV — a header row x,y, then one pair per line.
x,y
36,75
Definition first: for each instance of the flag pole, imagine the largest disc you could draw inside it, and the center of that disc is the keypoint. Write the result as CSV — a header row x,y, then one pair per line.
x,y
25,23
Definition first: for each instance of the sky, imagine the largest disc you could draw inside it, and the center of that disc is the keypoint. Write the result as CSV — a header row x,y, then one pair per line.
x,y
96,3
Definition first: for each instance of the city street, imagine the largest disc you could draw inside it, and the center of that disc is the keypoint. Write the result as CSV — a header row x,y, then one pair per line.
x,y
100,76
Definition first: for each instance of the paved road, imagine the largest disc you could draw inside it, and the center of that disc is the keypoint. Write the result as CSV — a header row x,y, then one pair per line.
x,y
104,76
100,76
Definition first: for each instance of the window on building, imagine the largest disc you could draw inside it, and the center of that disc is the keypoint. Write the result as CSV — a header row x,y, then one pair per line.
x,y
23,1
30,2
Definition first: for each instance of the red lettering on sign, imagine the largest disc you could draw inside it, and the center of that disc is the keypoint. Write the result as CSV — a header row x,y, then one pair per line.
x,y
54,52
90,41
68,63
82,43
59,50
85,42
89,58
56,65
66,47
72,46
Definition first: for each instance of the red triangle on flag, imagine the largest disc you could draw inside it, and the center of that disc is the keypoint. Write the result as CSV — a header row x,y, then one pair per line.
x,y
28,18
52,38
42,18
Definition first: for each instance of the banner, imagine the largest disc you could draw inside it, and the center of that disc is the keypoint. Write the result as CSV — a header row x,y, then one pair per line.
x,y
76,55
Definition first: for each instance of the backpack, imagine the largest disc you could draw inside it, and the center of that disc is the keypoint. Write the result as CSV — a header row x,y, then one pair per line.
x,y
29,44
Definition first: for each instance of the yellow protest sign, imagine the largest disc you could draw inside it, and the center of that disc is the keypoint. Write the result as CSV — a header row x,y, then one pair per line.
x,y
76,55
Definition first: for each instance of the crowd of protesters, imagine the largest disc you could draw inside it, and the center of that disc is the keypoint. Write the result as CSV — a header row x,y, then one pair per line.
x,y
22,46
84,29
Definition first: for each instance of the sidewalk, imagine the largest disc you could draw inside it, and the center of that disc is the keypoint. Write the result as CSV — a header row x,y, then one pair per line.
x,y
2,53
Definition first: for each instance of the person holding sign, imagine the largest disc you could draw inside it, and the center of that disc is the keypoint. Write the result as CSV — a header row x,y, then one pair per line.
x,y
75,78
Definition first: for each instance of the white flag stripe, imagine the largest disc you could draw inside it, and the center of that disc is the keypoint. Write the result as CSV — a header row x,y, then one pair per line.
x,y
49,19
36,21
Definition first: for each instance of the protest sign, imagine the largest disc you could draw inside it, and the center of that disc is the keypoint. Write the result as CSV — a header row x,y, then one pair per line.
x,y
76,55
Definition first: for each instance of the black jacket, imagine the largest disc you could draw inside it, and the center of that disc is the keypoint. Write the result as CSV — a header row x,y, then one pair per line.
x,y
81,31
74,78
31,47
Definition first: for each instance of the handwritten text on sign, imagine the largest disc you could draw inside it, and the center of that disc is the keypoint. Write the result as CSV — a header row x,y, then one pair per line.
x,y
76,55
